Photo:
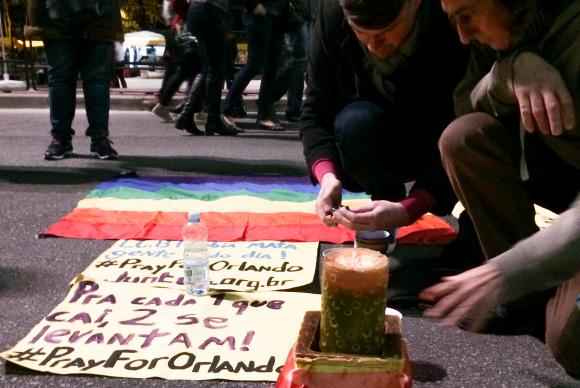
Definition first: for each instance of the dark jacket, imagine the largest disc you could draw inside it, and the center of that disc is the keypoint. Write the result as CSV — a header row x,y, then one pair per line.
x,y
483,87
422,90
39,25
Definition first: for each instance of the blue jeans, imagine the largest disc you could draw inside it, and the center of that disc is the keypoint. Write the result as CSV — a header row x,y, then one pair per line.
x,y
291,76
94,61
376,154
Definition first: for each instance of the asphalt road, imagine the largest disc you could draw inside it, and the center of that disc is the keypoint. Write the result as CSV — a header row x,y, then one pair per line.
x,y
34,273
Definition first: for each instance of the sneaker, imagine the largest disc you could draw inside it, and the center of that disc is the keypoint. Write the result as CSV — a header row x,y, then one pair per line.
x,y
101,148
58,149
163,113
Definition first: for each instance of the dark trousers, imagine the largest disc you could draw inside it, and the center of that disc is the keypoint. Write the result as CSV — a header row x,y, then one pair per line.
x,y
231,56
180,67
94,61
482,158
374,150
265,40
291,77
209,24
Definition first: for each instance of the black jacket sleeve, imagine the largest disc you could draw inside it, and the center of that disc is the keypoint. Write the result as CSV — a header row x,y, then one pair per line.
x,y
317,123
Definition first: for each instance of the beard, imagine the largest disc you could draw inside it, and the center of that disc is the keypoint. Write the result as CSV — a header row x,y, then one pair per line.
x,y
384,51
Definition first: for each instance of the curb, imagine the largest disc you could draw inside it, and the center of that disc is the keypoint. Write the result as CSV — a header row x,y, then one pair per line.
x,y
142,101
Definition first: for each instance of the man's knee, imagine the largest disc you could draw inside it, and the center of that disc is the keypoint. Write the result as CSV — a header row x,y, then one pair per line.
x,y
357,122
460,137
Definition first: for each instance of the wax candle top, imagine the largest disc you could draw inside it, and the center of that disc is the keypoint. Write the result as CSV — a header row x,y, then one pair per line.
x,y
356,269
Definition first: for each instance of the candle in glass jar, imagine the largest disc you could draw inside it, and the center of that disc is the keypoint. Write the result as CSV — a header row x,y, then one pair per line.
x,y
354,298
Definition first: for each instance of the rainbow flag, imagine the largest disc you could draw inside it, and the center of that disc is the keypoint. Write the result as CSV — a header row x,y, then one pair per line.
x,y
233,208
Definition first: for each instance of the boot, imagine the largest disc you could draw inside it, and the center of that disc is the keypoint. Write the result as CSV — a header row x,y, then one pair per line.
x,y
185,121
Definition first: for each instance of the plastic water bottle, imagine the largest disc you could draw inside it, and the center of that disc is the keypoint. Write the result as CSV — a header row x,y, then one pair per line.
x,y
195,255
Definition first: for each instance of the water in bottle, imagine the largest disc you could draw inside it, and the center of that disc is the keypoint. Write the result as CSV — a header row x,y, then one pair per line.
x,y
195,255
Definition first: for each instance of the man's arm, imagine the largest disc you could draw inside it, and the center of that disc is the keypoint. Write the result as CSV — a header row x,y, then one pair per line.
x,y
524,83
319,110
545,259
471,93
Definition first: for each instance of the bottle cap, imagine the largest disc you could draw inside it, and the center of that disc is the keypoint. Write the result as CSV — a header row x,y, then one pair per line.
x,y
194,218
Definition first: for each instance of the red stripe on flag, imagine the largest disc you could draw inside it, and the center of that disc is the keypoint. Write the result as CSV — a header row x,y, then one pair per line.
x,y
300,227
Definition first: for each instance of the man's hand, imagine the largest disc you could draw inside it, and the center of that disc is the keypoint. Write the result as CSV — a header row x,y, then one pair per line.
x,y
260,10
376,216
466,300
543,98
329,197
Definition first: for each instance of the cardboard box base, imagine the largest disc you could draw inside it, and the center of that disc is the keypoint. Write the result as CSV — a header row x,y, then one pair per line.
x,y
306,367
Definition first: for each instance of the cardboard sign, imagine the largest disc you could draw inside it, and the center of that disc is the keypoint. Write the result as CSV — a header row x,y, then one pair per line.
x,y
140,332
239,266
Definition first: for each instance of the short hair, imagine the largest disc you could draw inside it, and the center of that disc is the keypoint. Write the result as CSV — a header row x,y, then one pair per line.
x,y
372,13
523,13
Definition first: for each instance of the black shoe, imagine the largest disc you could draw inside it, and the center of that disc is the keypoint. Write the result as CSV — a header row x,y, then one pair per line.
x,y
58,149
188,126
269,125
101,148
222,127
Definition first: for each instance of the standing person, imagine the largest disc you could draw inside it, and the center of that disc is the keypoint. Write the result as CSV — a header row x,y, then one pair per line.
x,y
265,22
290,79
78,38
181,63
207,20
363,122
516,143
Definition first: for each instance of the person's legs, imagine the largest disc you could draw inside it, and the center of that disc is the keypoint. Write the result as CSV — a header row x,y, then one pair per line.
x,y
62,78
185,120
96,65
258,28
290,78
297,40
170,60
268,82
563,326
482,159
208,23
360,136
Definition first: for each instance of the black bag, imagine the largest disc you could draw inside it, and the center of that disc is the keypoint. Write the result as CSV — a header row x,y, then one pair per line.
x,y
186,44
